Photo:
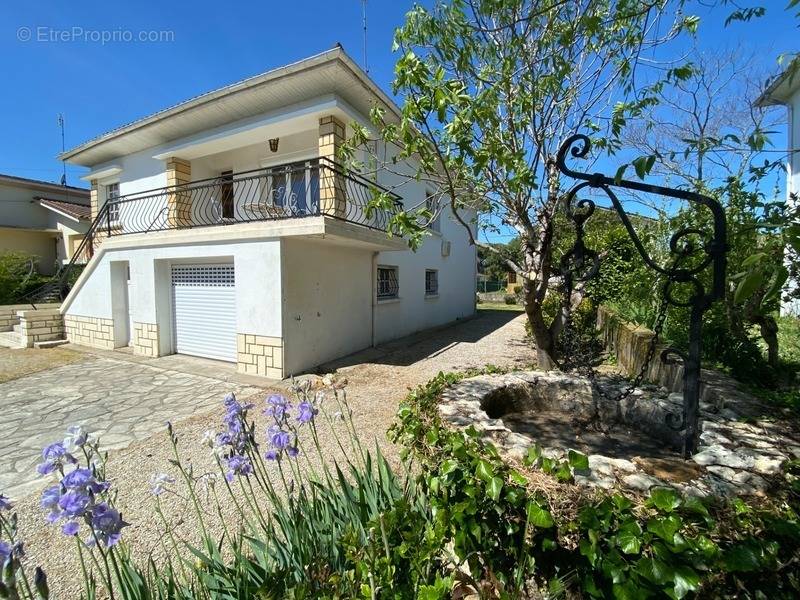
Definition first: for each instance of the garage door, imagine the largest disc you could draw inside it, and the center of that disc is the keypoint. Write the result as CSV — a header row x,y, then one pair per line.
x,y
204,307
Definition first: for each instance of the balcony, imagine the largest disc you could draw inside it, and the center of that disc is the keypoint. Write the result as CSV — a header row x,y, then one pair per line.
x,y
311,188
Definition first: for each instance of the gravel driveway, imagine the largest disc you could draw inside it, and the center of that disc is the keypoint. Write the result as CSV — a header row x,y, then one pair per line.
x,y
378,379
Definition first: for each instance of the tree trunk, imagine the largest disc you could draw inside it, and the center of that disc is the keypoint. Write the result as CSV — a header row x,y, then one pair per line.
x,y
545,344
769,333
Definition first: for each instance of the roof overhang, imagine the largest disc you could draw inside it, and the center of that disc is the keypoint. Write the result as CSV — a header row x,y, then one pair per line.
x,y
782,88
302,116
330,73
102,173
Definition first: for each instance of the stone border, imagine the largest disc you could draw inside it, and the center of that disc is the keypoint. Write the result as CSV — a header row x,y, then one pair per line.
x,y
43,325
94,332
736,458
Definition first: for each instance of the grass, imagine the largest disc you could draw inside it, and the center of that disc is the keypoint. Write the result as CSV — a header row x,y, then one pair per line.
x,y
501,306
26,361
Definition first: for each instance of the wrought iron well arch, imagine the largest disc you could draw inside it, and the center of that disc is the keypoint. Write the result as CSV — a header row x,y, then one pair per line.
x,y
581,263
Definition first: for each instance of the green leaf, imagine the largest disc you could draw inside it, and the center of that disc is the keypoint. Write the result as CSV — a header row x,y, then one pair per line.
x,y
517,477
538,516
654,570
665,527
494,488
534,452
629,538
776,284
748,286
686,580
665,498
484,471
578,461
448,466
741,558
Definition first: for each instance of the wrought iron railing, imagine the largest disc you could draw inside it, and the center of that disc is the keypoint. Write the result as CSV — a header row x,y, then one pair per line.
x,y
314,187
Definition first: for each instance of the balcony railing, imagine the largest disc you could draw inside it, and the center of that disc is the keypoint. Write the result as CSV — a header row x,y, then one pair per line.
x,y
317,187
314,187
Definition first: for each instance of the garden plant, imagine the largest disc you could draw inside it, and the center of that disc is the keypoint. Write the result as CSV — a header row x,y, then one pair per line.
x,y
455,520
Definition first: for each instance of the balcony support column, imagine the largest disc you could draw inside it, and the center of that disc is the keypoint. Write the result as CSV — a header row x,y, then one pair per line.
x,y
179,202
332,196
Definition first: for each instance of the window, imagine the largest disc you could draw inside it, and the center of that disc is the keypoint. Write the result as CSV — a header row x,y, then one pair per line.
x,y
226,194
294,187
512,277
432,205
388,285
431,282
112,193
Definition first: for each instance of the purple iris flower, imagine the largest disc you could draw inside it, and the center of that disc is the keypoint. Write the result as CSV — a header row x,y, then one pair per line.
x,y
306,412
238,465
84,479
49,502
279,438
55,455
74,503
70,528
271,455
277,406
107,524
5,504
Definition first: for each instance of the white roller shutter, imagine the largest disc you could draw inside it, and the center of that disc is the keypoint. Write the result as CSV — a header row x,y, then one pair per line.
x,y
204,307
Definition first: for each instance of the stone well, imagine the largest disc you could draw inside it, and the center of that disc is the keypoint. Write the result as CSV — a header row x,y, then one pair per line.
x,y
631,445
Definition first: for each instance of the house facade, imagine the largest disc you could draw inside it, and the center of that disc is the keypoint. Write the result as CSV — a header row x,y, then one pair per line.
x,y
225,227
785,91
44,220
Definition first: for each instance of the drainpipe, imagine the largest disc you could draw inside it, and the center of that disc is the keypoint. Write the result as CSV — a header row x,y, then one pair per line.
x,y
373,295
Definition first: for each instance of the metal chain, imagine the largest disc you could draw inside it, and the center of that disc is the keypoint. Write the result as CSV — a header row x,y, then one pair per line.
x,y
574,343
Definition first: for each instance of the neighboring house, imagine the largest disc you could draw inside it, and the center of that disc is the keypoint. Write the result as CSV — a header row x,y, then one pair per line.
x,y
42,219
230,231
785,91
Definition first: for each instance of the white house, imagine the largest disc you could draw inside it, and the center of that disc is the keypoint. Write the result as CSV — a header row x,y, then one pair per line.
x,y
42,219
785,90
228,230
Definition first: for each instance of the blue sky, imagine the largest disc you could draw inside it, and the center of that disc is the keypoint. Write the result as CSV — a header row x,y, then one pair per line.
x,y
99,86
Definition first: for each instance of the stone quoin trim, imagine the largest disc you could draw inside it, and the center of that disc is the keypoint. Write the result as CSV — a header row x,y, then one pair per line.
x,y
260,355
145,339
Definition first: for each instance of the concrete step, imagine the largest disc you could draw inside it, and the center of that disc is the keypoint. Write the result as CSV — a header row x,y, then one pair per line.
x,y
10,339
49,344
17,328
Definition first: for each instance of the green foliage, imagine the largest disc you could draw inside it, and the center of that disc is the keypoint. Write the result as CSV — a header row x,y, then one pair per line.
x,y
510,299
18,276
668,546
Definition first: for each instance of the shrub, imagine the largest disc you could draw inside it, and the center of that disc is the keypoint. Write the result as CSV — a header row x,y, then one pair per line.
x,y
467,524
517,290
18,276
509,299
602,544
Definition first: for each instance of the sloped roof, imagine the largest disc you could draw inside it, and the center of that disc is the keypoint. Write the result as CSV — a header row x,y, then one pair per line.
x,y
39,184
81,212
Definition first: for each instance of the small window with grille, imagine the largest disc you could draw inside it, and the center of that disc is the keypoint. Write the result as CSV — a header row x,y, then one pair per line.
x,y
112,193
388,284
431,282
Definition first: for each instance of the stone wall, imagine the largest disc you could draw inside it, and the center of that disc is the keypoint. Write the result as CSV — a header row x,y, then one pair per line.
x,y
8,314
145,339
630,344
90,331
260,355
43,325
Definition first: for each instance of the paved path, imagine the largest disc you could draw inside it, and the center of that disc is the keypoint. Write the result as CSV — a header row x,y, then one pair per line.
x,y
378,379
121,400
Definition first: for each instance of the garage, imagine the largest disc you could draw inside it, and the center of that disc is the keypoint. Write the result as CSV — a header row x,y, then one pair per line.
x,y
204,309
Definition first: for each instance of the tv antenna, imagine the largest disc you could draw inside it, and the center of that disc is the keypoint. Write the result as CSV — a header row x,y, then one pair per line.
x,y
364,24
63,162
